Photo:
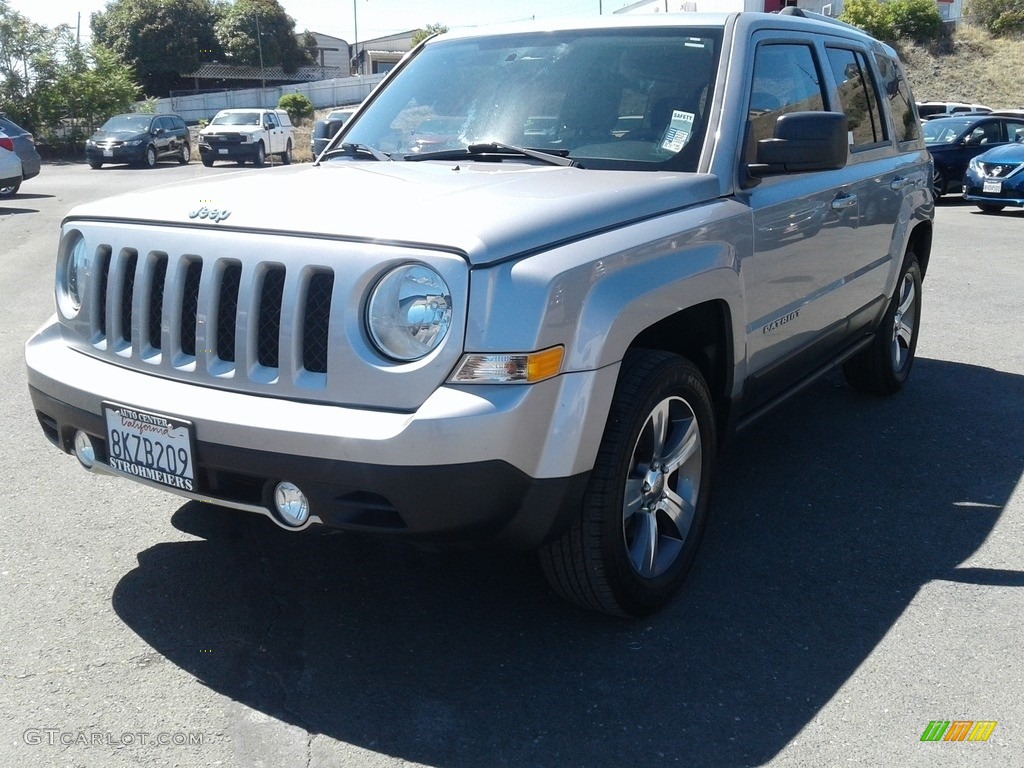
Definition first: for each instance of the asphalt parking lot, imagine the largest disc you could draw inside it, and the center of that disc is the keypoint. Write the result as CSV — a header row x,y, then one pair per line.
x,y
862,576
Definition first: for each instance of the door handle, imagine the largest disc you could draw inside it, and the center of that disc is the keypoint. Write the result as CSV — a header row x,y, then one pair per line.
x,y
899,183
843,202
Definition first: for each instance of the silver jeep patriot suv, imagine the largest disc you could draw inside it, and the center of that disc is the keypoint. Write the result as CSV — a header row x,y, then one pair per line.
x,y
520,298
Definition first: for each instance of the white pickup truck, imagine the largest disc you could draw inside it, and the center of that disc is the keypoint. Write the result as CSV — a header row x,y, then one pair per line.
x,y
247,134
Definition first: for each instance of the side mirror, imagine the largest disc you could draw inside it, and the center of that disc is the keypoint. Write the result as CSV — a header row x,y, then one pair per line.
x,y
803,141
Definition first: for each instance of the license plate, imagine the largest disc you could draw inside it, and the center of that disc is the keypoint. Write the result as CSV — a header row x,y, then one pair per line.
x,y
150,446
993,186
108,153
222,151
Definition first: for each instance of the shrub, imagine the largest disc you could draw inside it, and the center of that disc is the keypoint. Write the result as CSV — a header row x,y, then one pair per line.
x,y
1003,18
917,20
296,105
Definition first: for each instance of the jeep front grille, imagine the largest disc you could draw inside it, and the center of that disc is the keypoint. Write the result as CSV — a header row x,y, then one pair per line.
x,y
153,305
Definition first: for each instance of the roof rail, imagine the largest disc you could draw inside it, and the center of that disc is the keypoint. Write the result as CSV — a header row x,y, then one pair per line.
x,y
792,10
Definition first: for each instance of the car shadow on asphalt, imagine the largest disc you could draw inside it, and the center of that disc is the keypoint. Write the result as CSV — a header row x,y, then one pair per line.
x,y
830,514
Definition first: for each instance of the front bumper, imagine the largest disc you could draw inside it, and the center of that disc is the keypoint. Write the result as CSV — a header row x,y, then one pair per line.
x,y
228,151
503,464
119,154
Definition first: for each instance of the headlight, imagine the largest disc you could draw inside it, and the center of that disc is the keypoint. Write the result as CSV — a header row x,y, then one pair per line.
x,y
409,312
134,142
72,267
975,166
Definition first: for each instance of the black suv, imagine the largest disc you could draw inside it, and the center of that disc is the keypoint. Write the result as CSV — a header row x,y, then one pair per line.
x,y
141,139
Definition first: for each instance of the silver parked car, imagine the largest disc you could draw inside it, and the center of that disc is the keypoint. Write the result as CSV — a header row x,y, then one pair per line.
x,y
24,147
520,299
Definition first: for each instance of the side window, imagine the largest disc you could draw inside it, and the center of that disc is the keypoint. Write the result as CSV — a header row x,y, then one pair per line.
x,y
900,102
859,98
1014,130
988,132
786,79
271,119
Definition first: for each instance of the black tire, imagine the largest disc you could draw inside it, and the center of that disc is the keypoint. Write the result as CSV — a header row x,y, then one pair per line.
x,y
95,164
286,156
149,160
261,156
11,189
990,207
650,485
208,161
939,183
883,367
186,154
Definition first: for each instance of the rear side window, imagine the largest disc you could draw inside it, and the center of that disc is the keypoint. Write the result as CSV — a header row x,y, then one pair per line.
x,y
858,97
786,79
897,93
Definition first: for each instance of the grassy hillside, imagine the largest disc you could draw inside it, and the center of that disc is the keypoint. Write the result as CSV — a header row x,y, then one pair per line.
x,y
972,67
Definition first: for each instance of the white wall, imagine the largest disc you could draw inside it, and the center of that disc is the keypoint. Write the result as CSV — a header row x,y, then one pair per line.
x,y
323,93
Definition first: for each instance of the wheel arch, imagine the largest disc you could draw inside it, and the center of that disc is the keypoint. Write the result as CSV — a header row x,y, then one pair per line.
x,y
703,335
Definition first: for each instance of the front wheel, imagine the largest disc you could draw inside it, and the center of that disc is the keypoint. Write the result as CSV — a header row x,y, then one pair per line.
x,y
261,156
883,367
10,190
207,161
991,207
938,183
150,158
645,507
186,154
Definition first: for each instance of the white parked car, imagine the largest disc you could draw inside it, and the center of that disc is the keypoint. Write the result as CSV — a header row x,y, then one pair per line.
x,y
10,164
247,134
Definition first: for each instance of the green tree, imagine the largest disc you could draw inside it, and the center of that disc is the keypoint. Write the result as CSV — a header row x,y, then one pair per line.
x,y
296,105
21,44
894,20
161,39
276,43
424,32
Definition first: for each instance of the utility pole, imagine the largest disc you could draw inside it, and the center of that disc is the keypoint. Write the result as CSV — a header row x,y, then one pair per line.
x,y
355,24
263,74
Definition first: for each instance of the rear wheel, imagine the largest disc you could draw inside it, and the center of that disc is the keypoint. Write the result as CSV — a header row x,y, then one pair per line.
x,y
645,507
186,154
10,190
938,183
286,156
991,207
883,367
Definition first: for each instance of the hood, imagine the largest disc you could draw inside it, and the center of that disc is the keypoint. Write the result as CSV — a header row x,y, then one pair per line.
x,y
487,211
118,135
1007,153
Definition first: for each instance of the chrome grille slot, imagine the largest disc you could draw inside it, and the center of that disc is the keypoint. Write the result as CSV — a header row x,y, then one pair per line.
x,y
158,276
102,270
227,311
190,306
120,298
268,351
316,319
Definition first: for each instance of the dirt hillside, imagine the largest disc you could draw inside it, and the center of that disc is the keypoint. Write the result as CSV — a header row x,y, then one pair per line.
x,y
972,67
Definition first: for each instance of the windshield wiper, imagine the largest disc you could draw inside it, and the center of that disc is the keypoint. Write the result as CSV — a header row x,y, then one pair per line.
x,y
497,148
356,149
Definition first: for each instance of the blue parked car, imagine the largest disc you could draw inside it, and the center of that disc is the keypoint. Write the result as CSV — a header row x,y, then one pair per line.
x,y
954,141
995,179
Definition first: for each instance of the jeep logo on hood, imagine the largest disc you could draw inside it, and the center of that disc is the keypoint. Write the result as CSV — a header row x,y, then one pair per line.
x,y
211,214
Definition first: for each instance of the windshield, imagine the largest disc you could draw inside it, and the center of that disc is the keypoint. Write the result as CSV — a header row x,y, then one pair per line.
x,y
609,99
944,130
133,123
237,118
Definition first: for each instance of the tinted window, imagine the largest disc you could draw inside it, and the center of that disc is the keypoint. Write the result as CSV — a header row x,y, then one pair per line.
x,y
858,97
786,79
897,92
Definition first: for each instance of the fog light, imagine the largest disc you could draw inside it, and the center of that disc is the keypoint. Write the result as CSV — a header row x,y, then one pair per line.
x,y
292,504
84,450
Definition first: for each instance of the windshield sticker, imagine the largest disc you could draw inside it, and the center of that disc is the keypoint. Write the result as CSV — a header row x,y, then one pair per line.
x,y
679,130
